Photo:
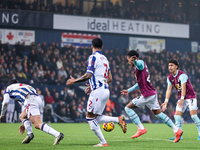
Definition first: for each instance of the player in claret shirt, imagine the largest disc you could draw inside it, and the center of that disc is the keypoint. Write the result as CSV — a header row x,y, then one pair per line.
x,y
148,97
187,96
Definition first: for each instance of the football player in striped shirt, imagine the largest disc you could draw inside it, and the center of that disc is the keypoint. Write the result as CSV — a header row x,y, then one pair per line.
x,y
99,75
28,96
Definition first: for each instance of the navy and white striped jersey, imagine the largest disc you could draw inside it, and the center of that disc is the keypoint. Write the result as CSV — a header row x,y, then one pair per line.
x,y
98,66
17,91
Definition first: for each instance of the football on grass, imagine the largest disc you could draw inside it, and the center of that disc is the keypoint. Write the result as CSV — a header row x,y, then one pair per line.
x,y
108,126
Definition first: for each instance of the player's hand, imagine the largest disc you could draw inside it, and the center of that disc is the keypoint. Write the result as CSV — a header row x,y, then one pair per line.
x,y
88,89
21,129
70,81
133,58
164,106
124,92
180,103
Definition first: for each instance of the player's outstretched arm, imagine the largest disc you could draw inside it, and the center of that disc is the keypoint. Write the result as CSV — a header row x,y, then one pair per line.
x,y
83,78
167,96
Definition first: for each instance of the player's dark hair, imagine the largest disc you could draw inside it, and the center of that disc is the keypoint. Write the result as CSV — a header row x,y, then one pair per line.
x,y
97,43
174,61
133,53
12,81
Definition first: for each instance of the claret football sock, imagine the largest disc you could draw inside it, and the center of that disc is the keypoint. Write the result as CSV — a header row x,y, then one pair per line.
x,y
94,126
134,117
28,126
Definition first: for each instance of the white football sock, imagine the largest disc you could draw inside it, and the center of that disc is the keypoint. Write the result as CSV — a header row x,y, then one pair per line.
x,y
107,119
48,129
28,126
140,126
175,128
94,126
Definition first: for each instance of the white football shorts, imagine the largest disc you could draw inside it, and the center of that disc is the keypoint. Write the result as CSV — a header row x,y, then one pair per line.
x,y
190,103
151,102
33,104
97,100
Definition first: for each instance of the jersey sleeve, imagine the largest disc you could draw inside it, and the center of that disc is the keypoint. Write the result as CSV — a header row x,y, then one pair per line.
x,y
168,82
136,86
91,64
139,64
183,78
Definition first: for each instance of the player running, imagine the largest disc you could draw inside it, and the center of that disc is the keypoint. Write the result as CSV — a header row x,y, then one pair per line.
x,y
148,97
187,96
28,96
99,75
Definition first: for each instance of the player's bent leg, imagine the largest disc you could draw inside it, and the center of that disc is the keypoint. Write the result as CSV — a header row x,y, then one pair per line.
x,y
23,115
94,126
135,119
165,119
168,121
106,119
36,120
28,126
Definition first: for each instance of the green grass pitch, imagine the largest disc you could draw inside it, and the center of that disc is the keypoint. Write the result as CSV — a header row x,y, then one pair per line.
x,y
79,137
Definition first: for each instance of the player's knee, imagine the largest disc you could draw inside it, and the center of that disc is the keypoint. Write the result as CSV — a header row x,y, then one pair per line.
x,y
127,109
37,126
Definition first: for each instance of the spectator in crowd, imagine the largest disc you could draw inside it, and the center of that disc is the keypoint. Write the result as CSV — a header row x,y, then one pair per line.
x,y
81,110
145,117
49,100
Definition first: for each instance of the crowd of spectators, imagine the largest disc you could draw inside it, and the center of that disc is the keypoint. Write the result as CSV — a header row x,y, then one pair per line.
x,y
50,66
107,10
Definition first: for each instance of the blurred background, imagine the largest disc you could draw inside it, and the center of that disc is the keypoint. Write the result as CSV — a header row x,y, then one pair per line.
x,y
43,42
